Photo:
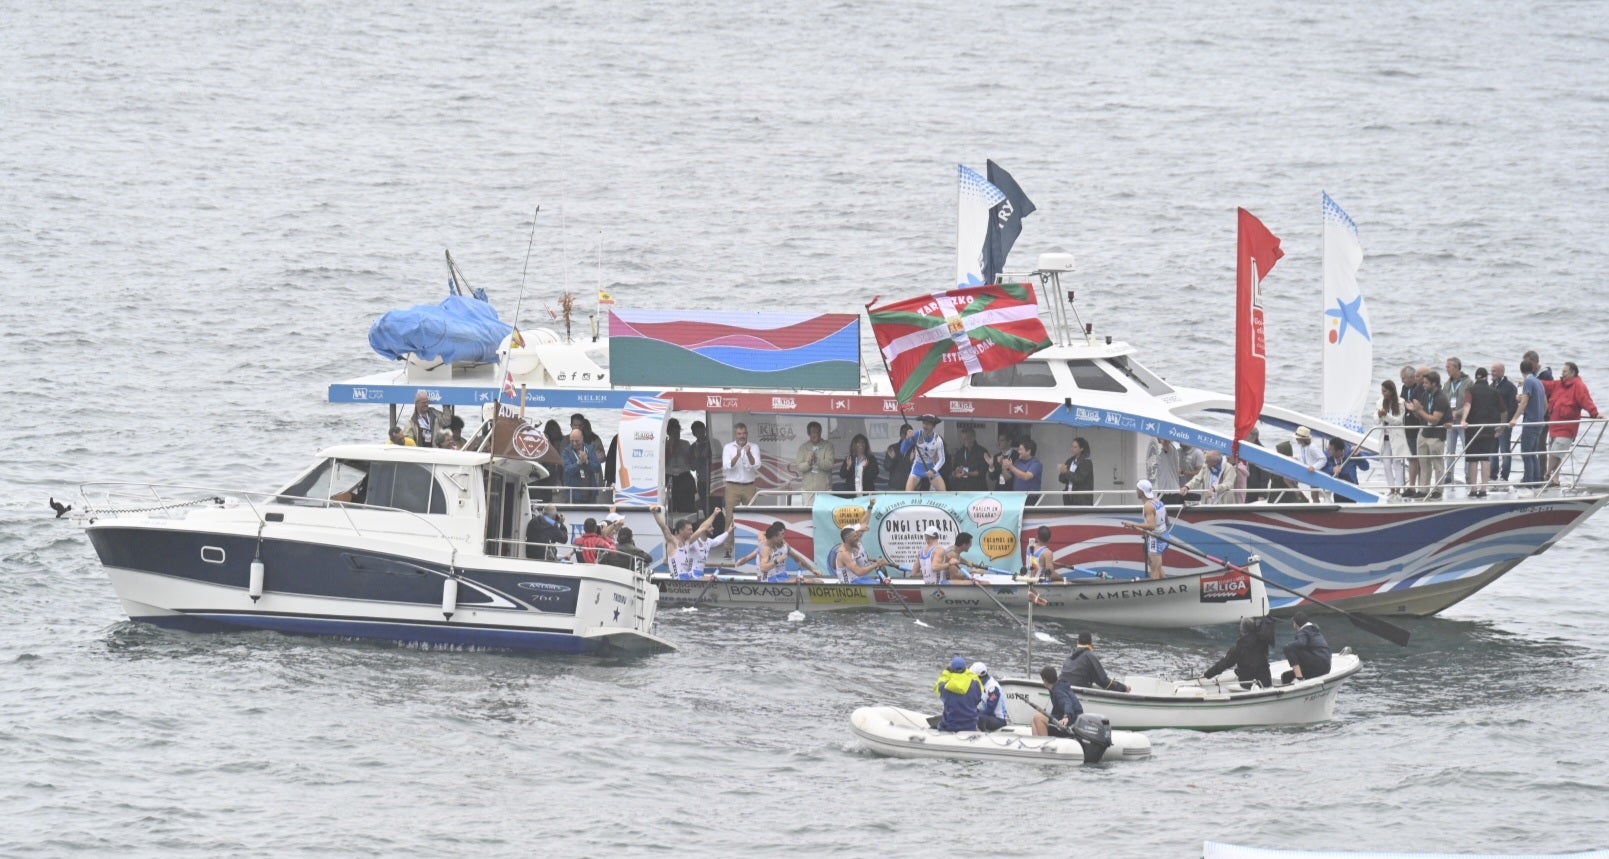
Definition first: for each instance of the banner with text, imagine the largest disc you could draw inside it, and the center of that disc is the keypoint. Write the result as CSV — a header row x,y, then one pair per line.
x,y
640,452
898,524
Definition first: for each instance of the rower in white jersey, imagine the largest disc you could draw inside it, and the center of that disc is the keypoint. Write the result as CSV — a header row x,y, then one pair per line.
x,y
930,560
1155,527
773,553
687,548
926,450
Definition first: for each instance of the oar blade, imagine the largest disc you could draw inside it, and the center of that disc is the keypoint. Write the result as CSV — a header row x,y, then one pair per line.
x,y
1388,631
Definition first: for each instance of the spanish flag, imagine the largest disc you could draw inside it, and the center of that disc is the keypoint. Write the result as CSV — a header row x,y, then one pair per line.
x,y
605,298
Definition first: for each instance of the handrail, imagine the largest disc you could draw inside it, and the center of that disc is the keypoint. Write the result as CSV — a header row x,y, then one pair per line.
x,y
222,497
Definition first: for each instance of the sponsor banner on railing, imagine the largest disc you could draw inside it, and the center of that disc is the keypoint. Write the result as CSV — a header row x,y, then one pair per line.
x,y
735,350
640,450
898,525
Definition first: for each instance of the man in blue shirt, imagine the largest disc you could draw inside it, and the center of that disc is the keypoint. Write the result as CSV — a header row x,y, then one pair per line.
x,y
1532,409
1026,471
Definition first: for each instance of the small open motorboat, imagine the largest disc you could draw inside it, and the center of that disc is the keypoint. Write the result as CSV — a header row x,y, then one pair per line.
x,y
1211,704
901,733
1220,850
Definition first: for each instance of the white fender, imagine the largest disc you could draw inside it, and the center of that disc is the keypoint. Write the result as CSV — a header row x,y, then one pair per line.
x,y
449,597
254,588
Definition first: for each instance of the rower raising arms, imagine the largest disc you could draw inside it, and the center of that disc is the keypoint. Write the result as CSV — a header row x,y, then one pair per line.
x,y
849,560
688,547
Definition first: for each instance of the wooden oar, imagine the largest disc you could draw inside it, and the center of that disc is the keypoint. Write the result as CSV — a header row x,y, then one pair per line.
x,y
1388,631
1051,723
895,589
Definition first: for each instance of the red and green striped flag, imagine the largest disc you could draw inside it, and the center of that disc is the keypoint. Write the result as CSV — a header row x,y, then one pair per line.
x,y
931,339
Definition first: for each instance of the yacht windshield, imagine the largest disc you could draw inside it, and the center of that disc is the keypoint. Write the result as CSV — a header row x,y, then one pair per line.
x,y
1151,382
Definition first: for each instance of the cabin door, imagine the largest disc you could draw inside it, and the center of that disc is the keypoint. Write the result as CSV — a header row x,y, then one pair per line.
x,y
507,510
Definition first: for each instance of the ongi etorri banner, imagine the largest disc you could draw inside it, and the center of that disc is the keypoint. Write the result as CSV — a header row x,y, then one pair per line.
x,y
682,348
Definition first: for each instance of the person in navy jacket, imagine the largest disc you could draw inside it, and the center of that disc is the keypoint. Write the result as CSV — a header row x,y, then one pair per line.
x,y
961,691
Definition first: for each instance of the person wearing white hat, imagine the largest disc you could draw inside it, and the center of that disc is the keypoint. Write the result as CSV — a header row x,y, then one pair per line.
x,y
992,714
1154,527
926,450
1310,455
929,558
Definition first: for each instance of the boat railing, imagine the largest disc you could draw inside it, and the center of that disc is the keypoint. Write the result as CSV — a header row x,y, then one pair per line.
x,y
170,501
1563,469
564,553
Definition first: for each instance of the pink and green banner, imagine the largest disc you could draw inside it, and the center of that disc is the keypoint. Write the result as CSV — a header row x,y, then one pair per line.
x,y
686,348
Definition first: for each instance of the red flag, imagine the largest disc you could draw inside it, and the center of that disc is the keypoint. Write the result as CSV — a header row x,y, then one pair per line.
x,y
933,338
1258,251
511,394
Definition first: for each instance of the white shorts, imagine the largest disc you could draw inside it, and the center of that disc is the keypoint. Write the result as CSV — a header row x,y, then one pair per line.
x,y
1560,445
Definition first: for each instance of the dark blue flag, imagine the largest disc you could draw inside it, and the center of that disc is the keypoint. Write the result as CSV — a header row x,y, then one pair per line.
x,y
1005,222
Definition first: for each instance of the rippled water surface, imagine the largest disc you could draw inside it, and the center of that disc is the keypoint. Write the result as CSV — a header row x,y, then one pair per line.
x,y
203,207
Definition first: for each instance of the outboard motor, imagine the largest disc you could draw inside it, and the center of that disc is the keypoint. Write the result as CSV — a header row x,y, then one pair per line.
x,y
1094,733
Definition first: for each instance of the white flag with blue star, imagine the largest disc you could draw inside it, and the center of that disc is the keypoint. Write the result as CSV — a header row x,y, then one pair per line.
x,y
977,197
1348,342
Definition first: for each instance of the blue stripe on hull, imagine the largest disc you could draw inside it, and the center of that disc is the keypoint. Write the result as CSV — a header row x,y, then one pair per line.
x,y
443,634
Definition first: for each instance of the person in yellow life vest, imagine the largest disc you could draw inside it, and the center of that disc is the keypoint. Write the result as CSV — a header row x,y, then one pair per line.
x,y
961,691
399,438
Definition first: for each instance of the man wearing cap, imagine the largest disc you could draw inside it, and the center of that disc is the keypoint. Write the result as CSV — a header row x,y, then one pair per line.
x,y
1083,668
1309,654
1310,455
1155,527
962,692
992,714
928,461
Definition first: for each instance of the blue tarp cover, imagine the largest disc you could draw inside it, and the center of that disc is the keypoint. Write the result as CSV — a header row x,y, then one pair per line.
x,y
457,329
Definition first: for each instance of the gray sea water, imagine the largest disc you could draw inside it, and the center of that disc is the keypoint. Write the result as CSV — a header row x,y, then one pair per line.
x,y
203,206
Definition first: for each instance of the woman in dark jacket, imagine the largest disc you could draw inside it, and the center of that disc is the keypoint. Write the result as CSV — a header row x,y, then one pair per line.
x,y
1249,655
859,459
1078,476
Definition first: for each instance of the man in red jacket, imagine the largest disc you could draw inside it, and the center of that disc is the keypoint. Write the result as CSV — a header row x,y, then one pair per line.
x,y
1568,397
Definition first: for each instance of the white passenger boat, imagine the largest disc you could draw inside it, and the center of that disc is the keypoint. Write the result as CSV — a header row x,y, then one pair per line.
x,y
777,375
1199,599
902,733
1211,704
405,544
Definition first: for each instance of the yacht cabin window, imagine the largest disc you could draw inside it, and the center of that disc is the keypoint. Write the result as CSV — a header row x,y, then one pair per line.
x,y
1029,374
1090,376
403,485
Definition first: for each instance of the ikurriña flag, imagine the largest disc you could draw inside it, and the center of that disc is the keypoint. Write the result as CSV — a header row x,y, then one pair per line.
x,y
931,339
